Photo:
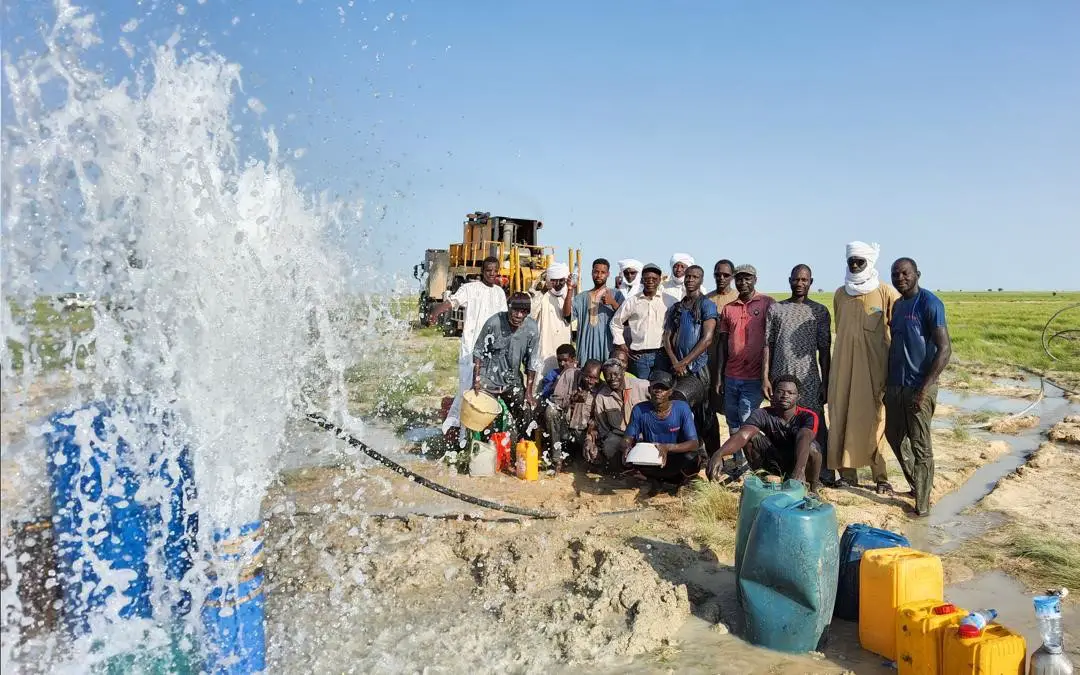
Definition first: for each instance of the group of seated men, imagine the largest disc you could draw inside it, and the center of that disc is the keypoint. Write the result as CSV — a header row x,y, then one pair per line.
x,y
602,411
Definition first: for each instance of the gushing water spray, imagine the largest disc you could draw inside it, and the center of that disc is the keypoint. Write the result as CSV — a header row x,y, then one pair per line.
x,y
218,296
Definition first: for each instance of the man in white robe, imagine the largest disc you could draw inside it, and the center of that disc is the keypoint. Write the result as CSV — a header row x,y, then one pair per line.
x,y
481,299
630,275
551,309
673,287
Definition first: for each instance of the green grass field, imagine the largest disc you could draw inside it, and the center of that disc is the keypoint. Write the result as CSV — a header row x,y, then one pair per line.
x,y
991,331
1003,330
57,337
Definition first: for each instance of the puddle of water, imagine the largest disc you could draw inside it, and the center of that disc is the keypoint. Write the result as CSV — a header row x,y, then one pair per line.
x,y
978,402
421,434
948,526
997,590
701,650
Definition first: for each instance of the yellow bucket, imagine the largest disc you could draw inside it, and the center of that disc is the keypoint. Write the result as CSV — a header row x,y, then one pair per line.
x,y
478,410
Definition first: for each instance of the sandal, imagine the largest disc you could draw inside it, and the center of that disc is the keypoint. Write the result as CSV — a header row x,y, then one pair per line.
x,y
885,488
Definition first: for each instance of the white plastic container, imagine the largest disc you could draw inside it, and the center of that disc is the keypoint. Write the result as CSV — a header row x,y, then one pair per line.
x,y
643,454
482,462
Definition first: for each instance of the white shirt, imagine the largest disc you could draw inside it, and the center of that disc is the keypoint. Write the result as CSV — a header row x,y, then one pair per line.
x,y
547,310
645,317
481,303
674,289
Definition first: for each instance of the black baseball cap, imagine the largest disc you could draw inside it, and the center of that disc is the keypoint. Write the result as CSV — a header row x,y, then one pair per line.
x,y
662,379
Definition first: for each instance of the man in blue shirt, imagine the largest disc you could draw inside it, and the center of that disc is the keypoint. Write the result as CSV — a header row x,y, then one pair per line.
x,y
689,326
919,352
566,358
669,425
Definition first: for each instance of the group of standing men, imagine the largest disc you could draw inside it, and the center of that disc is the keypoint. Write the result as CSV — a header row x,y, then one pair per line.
x,y
675,351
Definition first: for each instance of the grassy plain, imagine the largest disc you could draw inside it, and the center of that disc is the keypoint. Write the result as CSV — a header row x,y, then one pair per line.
x,y
1002,331
55,336
993,333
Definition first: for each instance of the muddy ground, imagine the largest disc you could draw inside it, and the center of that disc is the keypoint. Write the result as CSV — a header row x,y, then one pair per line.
x,y
621,593
369,572
626,579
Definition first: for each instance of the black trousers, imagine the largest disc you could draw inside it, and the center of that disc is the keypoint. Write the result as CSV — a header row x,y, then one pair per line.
x,y
679,467
779,461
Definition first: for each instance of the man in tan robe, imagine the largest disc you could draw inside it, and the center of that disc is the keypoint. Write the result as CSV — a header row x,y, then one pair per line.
x,y
550,309
862,308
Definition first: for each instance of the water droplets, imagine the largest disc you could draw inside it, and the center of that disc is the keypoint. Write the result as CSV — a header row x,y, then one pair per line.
x,y
256,106
230,320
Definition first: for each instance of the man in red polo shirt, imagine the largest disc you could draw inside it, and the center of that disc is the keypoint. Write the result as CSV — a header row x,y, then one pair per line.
x,y
737,371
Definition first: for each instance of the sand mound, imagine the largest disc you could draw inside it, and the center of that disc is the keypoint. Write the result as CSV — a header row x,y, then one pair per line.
x,y
594,598
429,593
1013,425
1040,492
1067,431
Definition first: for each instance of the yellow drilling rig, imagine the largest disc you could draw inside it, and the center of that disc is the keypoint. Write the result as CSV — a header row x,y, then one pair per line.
x,y
514,241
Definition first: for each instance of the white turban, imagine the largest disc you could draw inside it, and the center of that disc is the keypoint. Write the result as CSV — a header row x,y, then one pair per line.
x,y
557,271
867,280
683,258
630,264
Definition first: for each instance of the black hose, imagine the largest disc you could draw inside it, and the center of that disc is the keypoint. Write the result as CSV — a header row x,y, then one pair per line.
x,y
1047,339
320,420
405,517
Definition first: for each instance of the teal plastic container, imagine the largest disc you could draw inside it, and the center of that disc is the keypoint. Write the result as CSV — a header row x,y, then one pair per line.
x,y
754,492
788,582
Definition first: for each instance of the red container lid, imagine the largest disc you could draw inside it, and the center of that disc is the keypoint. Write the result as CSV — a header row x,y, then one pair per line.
x,y
947,608
966,630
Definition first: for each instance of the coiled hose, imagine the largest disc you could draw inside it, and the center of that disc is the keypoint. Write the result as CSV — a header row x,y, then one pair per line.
x,y
1047,338
1071,334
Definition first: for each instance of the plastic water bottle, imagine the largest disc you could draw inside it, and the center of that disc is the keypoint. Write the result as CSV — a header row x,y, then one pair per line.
x,y
1049,658
973,624
1048,616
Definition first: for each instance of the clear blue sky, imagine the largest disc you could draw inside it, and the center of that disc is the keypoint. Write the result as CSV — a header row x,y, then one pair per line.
x,y
766,132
